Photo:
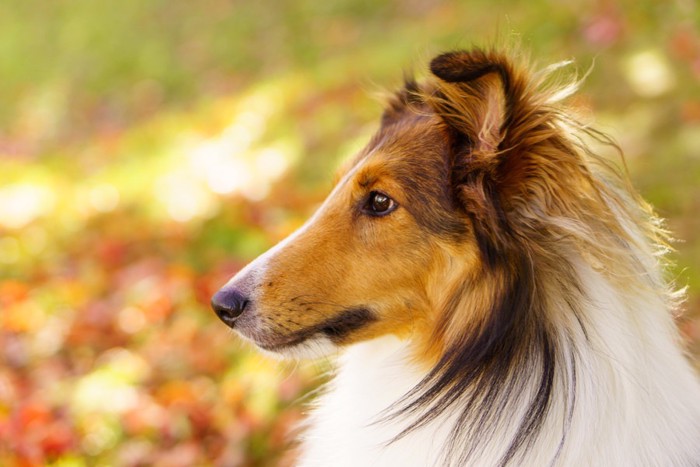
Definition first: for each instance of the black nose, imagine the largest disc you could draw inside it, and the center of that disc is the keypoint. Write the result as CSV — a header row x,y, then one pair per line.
x,y
228,305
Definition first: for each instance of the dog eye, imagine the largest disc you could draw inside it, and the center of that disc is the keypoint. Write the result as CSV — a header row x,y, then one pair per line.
x,y
378,204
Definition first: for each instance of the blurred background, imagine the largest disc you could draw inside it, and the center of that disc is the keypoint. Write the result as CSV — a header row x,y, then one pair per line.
x,y
148,150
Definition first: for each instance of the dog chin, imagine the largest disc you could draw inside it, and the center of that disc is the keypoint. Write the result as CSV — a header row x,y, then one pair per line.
x,y
310,349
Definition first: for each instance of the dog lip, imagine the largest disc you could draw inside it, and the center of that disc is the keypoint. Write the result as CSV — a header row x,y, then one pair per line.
x,y
272,347
335,329
351,320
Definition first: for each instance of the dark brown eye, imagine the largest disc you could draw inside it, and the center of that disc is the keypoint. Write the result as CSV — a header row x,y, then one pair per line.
x,y
379,204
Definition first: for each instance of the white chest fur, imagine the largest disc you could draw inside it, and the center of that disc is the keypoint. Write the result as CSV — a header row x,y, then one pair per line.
x,y
344,429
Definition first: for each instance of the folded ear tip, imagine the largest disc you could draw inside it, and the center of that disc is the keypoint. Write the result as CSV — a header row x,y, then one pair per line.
x,y
478,103
449,66
463,66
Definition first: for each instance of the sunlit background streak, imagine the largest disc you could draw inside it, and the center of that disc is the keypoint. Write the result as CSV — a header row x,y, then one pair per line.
x,y
149,149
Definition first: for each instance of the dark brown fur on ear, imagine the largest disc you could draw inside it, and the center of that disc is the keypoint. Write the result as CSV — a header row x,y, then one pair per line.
x,y
462,67
520,159
477,95
475,98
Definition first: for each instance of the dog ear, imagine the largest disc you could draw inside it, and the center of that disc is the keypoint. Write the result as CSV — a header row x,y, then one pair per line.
x,y
472,98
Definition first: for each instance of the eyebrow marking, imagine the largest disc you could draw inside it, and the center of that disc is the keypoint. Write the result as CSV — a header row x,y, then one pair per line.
x,y
365,179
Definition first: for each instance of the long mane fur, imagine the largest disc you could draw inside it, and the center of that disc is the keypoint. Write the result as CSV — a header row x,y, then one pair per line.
x,y
541,204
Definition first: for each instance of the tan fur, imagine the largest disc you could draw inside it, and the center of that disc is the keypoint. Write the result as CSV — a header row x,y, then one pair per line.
x,y
348,259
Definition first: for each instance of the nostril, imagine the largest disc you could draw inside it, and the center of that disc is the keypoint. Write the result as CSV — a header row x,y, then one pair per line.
x,y
229,305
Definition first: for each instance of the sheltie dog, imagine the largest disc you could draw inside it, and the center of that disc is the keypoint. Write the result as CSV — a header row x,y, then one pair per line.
x,y
496,290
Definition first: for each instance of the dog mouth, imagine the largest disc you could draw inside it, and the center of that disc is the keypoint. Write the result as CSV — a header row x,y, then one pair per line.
x,y
336,329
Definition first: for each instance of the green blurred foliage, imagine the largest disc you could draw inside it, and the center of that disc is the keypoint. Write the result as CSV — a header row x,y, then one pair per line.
x,y
149,149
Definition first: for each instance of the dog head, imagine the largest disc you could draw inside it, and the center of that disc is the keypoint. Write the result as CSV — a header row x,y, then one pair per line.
x,y
364,264
430,231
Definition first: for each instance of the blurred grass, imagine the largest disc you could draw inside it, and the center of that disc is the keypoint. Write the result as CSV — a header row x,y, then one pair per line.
x,y
149,149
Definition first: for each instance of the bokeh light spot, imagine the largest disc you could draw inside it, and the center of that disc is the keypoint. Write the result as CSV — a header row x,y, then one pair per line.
x,y
21,203
649,73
